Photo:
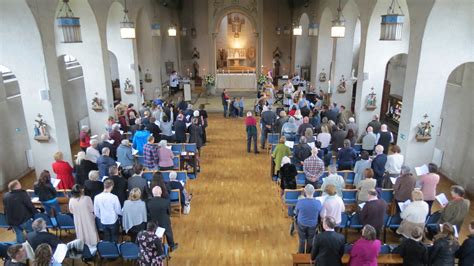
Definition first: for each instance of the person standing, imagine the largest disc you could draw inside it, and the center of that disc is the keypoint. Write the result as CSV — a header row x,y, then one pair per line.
x,y
47,193
328,246
174,82
394,161
360,166
82,208
457,209
333,205
378,164
313,168
150,154
251,129
225,101
301,152
120,184
18,209
403,188
414,214
307,211
373,212
412,249
366,185
465,254
151,247
444,247
267,121
428,183
368,141
107,208
159,211
165,156
63,171
84,138
375,124
365,249
104,163
384,138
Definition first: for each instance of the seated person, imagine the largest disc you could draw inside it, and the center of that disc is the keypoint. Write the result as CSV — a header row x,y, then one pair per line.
x,y
17,254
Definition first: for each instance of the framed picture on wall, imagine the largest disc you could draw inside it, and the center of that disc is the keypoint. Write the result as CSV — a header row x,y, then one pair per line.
x,y
169,65
305,73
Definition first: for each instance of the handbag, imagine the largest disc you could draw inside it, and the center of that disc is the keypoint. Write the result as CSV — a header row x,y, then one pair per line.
x,y
187,208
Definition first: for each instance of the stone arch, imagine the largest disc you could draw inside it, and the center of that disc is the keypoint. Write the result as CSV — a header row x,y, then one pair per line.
x,y
124,50
13,162
303,47
74,93
232,9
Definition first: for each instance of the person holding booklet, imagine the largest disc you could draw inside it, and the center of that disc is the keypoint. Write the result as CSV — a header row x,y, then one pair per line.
x,y
428,183
457,209
413,214
404,185
46,192
151,248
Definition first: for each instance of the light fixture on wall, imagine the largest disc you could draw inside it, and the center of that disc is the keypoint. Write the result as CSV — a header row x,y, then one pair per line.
x,y
392,23
338,29
297,30
313,29
172,31
127,27
156,30
69,24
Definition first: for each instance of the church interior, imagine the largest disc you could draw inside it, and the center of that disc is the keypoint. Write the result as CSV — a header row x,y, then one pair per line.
x,y
73,71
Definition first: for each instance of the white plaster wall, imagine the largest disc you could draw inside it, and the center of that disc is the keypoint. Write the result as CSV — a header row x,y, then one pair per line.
x,y
95,69
458,130
356,47
375,56
432,57
13,162
169,45
124,51
303,45
35,66
345,55
324,50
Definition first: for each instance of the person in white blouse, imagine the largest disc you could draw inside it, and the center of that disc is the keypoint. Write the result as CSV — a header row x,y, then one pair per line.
x,y
92,152
107,208
414,214
394,162
333,205
325,138
334,179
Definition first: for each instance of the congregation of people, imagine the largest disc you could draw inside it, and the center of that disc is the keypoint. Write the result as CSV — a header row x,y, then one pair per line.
x,y
323,142
109,196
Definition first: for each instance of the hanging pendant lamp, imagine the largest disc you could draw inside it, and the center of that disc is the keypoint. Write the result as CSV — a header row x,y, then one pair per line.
x,y
127,27
338,29
69,24
392,24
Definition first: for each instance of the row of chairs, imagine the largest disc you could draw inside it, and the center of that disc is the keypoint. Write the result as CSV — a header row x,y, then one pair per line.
x,y
349,196
176,161
347,175
181,175
183,148
128,251
274,138
61,222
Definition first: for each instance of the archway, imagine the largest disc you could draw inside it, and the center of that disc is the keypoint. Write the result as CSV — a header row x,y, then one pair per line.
x,y
74,94
392,96
114,77
124,52
15,145
303,50
355,62
457,128
235,44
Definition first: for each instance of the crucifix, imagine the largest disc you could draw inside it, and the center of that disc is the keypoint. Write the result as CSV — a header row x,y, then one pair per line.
x,y
236,23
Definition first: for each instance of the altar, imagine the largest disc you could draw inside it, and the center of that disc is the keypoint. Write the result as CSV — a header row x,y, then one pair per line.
x,y
236,81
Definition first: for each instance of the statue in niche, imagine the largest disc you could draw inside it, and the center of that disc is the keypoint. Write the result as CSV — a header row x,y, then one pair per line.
x,y
128,87
424,130
195,69
276,62
322,76
341,88
371,103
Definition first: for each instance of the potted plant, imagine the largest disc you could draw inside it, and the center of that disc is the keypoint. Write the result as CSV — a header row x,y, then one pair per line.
x,y
210,83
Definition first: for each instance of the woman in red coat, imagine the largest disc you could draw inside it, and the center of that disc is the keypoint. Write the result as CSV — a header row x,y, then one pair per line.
x,y
84,138
63,171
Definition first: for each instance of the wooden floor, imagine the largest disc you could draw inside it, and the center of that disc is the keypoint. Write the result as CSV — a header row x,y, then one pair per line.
x,y
236,216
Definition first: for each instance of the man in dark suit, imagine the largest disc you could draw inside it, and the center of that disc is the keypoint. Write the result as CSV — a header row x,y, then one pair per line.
x,y
18,209
40,235
159,211
105,143
373,212
120,184
375,124
137,181
378,164
154,129
328,246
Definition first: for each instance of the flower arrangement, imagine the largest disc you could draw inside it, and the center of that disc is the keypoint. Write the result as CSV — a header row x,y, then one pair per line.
x,y
262,79
210,80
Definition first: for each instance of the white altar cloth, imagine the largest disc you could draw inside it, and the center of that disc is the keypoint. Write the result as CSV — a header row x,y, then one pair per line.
x,y
236,81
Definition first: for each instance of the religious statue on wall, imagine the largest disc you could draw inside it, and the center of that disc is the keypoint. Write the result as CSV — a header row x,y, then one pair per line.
x,y
97,103
195,54
41,129
322,76
423,131
195,69
371,103
128,86
341,88
276,62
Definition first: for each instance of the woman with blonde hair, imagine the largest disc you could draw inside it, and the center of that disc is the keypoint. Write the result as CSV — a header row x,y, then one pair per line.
x,y
367,184
444,248
63,171
134,214
414,214
308,133
43,255
333,205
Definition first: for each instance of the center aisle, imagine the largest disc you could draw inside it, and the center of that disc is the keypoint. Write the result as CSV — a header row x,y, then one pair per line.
x,y
236,216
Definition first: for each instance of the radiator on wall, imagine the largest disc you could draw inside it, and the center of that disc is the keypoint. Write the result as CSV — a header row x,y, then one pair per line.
x,y
437,157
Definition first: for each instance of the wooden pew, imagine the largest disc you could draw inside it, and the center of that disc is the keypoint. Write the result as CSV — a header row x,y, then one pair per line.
x,y
384,259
